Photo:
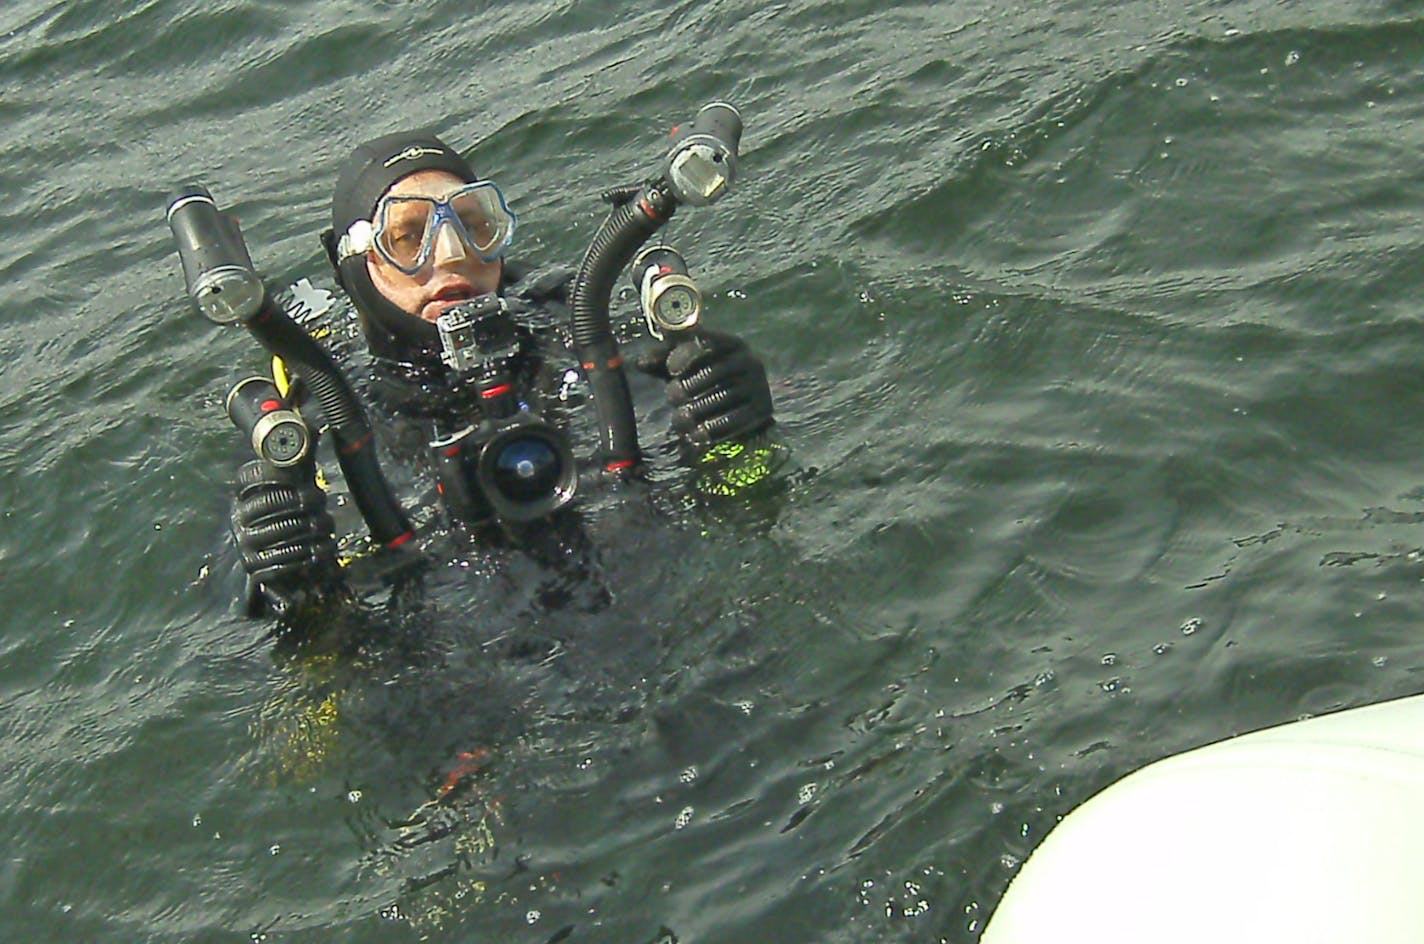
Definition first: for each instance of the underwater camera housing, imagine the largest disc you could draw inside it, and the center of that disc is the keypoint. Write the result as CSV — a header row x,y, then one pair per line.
x,y
512,464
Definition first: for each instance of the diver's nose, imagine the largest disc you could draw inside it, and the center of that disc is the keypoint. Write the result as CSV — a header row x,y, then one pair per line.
x,y
449,247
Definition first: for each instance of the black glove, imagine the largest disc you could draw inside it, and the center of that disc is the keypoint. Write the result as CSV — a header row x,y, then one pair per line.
x,y
717,386
285,535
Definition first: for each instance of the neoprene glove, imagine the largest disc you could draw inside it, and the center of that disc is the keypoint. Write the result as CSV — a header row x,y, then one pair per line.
x,y
717,387
285,535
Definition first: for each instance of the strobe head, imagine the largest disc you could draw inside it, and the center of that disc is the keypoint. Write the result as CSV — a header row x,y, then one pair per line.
x,y
702,162
527,470
221,279
278,435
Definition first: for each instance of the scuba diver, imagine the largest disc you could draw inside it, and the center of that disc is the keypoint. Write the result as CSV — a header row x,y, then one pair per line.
x,y
466,363
473,377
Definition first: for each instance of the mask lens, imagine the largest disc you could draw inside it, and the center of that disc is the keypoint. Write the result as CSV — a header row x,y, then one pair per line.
x,y
405,226
488,224
402,230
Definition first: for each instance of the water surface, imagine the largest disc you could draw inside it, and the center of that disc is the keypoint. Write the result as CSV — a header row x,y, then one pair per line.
x,y
1094,328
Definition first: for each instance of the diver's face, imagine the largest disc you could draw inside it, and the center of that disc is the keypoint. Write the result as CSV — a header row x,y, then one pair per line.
x,y
455,273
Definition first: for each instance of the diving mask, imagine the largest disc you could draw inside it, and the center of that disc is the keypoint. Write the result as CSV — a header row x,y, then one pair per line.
x,y
407,229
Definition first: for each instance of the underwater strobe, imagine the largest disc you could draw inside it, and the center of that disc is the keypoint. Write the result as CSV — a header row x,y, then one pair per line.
x,y
222,281
512,465
702,162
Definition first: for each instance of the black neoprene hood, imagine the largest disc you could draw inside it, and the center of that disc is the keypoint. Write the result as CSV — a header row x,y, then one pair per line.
x,y
367,174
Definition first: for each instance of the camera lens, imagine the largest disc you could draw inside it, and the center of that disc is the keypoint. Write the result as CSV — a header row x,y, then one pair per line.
x,y
527,469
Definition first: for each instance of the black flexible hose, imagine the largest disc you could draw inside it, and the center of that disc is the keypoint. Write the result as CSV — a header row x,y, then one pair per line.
x,y
355,444
636,217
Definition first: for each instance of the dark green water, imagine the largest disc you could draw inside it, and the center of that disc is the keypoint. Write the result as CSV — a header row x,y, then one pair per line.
x,y
1095,329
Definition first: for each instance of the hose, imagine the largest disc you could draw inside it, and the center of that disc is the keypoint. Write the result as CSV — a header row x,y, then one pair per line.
x,y
637,215
351,432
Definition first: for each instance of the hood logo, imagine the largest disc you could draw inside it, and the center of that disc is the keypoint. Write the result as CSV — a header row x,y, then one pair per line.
x,y
410,154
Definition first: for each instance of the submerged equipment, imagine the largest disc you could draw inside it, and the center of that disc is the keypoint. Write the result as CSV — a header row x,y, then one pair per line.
x,y
510,464
698,169
225,288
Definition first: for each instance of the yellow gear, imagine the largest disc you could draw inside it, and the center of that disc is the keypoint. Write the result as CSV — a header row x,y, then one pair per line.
x,y
301,724
727,469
